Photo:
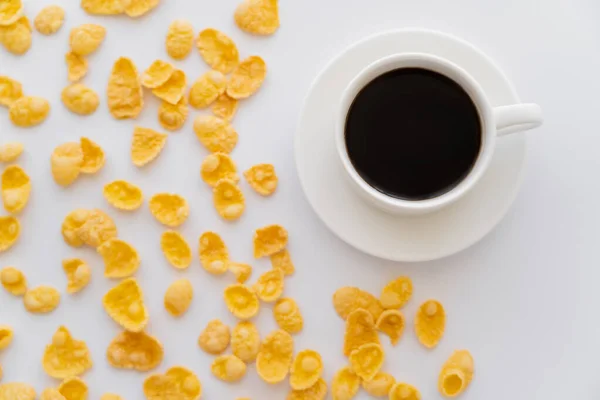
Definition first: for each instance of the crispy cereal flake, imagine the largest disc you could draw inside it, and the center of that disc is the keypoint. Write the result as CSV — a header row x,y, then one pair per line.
x,y
404,391
241,271
177,383
10,229
80,99
282,261
218,166
13,280
41,300
123,195
6,336
66,356
178,297
245,341
225,107
348,299
180,39
456,374
28,111
397,293
93,156
49,20
110,396
124,90
71,226
207,88
16,391
318,391
345,384
137,8
380,385
146,145
135,350
10,91
77,66
124,303
288,316
228,368
367,360
66,162
16,38
275,357
16,187
360,329
269,240
391,322
215,337
176,249
218,50
306,370
228,199
52,394
430,323
10,11
247,78
120,258
215,134
259,17
73,388
157,74
270,285
169,209
214,255
85,39
241,301
104,7
97,228
262,178
78,274
173,116
173,89
10,151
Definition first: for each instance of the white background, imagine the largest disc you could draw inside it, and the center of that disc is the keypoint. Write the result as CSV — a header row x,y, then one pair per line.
x,y
524,300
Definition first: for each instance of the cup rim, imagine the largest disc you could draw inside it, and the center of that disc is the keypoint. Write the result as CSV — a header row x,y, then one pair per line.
x,y
448,69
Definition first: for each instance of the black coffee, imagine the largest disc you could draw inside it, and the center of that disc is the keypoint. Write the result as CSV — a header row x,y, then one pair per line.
x,y
413,134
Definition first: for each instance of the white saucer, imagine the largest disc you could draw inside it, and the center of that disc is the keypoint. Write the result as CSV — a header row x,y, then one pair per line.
x,y
369,229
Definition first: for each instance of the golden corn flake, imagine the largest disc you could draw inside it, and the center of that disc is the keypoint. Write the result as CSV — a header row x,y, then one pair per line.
x,y
247,78
262,178
380,385
178,297
306,370
228,199
135,350
111,396
29,111
77,66
348,299
245,341
16,187
360,329
80,99
275,357
124,303
225,107
241,271
367,360
430,323
10,229
16,37
157,73
259,17
120,258
218,166
456,374
177,383
173,89
228,368
288,316
93,156
16,391
123,195
97,228
215,337
270,285
66,356
169,209
41,300
345,384
49,20
137,8
214,255
124,90
10,91
146,145
10,151
215,134
176,249
404,391
218,50
85,39
13,280
173,116
52,394
318,391
66,162
241,301
180,39
73,388
269,240
104,7
6,336
283,262
207,88
10,11
397,293
78,273
391,322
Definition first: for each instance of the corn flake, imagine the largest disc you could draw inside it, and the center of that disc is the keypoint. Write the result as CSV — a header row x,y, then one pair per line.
x,y
391,322
241,271
137,8
29,111
360,329
10,91
124,303
214,255
135,350
367,360
78,273
120,258
404,391
10,229
80,99
157,74
259,17
124,90
176,249
66,161
104,7
93,156
146,145
71,226
111,396
52,394
10,151
245,341
73,388
225,107
270,285
430,323
77,66
241,301
456,374
85,39
10,11
16,37
380,385
180,39
283,262
275,357
66,356
318,391
306,370
173,89
173,116
397,293
262,178
247,78
169,209
218,50
345,384
215,134
269,240
178,297
123,195
6,336
228,199
16,187
215,337
228,368
49,20
41,300
218,166
288,316
207,89
177,383
13,280
16,391
348,299
97,228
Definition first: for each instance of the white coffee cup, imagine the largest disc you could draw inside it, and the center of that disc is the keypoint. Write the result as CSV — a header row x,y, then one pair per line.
x,y
495,121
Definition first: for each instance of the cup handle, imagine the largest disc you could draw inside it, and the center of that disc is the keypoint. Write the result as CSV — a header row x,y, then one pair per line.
x,y
517,118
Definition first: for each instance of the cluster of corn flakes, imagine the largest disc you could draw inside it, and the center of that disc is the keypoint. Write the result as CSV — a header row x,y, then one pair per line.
x,y
132,8
69,160
24,111
89,227
177,383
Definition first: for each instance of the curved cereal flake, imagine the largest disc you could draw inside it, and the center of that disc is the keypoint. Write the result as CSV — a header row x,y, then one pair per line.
x,y
66,161
178,297
41,300
29,111
176,249
135,350
396,293
157,74
13,281
16,38
93,156
360,329
245,341
66,356
120,258
10,11
262,178
146,145
269,240
247,78
215,134
270,285
173,89
77,66
110,396
228,368
123,195
169,209
288,316
218,166
348,299
180,39
318,391
173,116
16,187
367,360
225,107
207,89
345,384
49,20
104,7
80,99
241,271
430,323
241,301
258,17
124,303
456,374
404,391
214,255
391,322
380,385
6,336
306,370
85,39
137,8
72,224
10,151
10,229
10,91
228,199
215,337
51,394
73,388
275,357
78,274
177,383
218,50
283,262
124,90
97,228
16,391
